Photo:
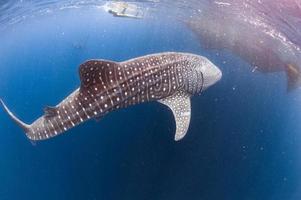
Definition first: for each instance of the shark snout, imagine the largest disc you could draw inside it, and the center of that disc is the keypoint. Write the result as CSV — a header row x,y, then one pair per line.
x,y
211,74
214,75
218,74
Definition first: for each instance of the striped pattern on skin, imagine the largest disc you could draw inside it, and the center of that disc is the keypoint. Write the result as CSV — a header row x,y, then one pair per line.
x,y
107,86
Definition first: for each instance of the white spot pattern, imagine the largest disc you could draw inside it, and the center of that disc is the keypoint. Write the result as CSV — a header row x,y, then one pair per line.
x,y
107,85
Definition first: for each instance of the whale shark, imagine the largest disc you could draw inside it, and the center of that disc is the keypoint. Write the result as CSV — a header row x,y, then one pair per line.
x,y
170,78
262,33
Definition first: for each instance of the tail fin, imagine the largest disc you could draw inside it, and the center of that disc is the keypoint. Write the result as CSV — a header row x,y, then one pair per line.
x,y
293,77
24,126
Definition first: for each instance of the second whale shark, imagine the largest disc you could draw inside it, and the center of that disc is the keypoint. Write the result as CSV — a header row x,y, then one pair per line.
x,y
170,78
265,34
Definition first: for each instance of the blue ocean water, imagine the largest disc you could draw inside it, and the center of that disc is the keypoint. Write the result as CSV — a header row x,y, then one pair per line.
x,y
244,140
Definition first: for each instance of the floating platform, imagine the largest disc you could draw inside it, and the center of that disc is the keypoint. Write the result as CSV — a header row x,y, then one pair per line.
x,y
124,9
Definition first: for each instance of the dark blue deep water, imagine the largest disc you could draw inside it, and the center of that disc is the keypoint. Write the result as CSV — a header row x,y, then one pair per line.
x,y
244,140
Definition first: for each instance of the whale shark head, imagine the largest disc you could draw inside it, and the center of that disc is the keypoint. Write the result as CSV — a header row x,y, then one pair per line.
x,y
210,73
200,74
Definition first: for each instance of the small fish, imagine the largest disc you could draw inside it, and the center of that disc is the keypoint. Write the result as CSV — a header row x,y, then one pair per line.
x,y
170,78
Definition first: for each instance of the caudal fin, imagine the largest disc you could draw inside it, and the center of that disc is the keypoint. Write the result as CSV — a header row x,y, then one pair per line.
x,y
293,77
24,126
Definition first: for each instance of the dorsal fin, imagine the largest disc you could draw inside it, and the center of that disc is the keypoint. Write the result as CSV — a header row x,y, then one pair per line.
x,y
50,111
179,104
95,72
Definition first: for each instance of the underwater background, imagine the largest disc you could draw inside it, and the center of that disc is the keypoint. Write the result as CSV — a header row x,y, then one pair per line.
x,y
244,140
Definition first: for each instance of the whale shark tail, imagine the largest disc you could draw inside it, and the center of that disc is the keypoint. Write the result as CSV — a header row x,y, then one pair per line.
x,y
293,77
24,126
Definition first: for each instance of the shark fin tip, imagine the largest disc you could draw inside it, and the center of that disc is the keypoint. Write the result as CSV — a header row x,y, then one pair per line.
x,y
24,126
293,77
178,138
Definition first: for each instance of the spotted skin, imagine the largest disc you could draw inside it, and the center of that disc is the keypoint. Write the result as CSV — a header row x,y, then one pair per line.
x,y
180,106
172,78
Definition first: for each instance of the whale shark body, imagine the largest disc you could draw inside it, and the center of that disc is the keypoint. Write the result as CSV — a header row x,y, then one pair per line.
x,y
170,78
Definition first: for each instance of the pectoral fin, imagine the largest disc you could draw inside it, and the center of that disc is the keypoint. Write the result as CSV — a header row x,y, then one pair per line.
x,y
180,106
293,77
